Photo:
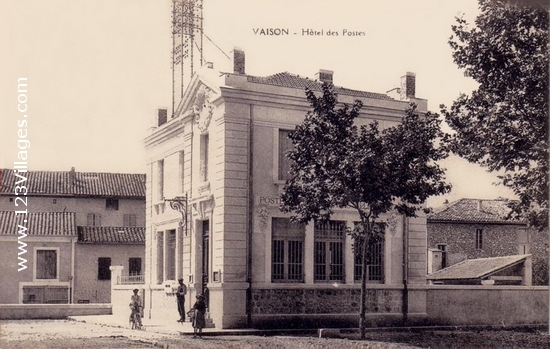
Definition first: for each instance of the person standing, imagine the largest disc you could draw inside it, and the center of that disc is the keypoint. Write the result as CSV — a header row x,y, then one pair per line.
x,y
136,307
180,297
199,321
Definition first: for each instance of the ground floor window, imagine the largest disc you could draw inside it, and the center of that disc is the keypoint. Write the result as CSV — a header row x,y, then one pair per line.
x,y
329,239
103,268
375,257
45,294
160,257
287,251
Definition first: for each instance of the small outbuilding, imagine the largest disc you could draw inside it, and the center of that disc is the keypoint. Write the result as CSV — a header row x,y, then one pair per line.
x,y
507,270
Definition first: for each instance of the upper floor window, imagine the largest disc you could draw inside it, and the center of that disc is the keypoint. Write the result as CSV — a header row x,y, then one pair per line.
x,y
93,220
285,144
111,204
375,257
159,195
46,263
134,266
329,238
287,254
205,140
443,249
479,239
129,220
182,171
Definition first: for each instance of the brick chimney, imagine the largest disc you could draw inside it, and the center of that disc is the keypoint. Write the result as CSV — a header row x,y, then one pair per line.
x,y
324,76
238,61
162,115
408,86
72,177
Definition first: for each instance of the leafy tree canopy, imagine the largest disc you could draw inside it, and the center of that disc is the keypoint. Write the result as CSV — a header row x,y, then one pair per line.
x,y
336,164
503,125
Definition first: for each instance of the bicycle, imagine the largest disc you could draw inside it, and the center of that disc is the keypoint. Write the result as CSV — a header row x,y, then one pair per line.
x,y
135,318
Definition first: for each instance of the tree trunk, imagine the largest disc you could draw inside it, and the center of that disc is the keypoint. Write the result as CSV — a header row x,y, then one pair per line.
x,y
363,309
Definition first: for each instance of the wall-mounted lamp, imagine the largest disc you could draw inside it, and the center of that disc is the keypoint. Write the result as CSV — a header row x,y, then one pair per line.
x,y
179,203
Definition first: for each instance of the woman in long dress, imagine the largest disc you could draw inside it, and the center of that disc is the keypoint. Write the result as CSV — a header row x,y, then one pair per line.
x,y
199,321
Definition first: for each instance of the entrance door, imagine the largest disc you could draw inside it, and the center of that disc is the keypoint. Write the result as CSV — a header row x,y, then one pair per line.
x,y
205,259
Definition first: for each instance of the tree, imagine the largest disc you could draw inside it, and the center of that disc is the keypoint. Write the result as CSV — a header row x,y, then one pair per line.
x,y
336,164
503,125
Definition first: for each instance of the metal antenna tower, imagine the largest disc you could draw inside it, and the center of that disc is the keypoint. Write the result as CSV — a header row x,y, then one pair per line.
x,y
187,35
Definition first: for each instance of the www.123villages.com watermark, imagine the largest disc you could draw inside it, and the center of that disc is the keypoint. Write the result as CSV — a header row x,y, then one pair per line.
x,y
20,171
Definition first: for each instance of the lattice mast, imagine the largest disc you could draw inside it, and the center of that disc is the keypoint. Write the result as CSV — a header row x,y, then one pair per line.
x,y
187,36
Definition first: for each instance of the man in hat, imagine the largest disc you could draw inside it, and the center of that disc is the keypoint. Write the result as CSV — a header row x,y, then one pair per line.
x,y
136,306
180,297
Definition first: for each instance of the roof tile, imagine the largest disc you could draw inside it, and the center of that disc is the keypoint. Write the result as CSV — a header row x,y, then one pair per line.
x,y
111,235
476,268
474,210
39,223
75,183
286,79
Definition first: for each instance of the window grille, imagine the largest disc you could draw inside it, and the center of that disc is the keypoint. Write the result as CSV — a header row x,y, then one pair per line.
x,y
375,258
287,251
329,250
134,266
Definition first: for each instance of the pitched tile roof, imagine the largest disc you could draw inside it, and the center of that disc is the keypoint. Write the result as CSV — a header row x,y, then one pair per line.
x,y
39,223
286,79
476,268
474,210
111,235
75,183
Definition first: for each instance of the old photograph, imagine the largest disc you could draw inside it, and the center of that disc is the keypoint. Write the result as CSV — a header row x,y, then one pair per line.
x,y
258,174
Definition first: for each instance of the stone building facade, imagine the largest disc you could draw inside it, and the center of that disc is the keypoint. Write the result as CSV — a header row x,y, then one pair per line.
x,y
215,173
475,228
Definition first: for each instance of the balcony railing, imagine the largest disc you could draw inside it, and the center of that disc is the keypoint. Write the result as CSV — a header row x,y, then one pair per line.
x,y
131,279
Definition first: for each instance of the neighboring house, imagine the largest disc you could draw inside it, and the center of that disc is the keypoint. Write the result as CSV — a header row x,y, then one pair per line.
x,y
475,228
219,165
88,220
46,240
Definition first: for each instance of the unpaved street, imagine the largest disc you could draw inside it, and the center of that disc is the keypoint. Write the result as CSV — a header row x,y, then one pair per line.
x,y
58,334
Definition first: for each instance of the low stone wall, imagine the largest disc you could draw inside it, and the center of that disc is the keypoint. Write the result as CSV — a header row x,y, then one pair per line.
x,y
51,311
313,307
487,305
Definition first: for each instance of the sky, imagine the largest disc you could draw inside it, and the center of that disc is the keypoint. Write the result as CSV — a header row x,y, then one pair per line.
x,y
97,70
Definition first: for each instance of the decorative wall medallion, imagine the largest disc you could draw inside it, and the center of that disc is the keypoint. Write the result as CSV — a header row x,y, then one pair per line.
x,y
203,109
392,223
263,216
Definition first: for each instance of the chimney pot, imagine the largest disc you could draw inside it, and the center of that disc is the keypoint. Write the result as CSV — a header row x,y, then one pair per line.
x,y
325,76
408,86
238,61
